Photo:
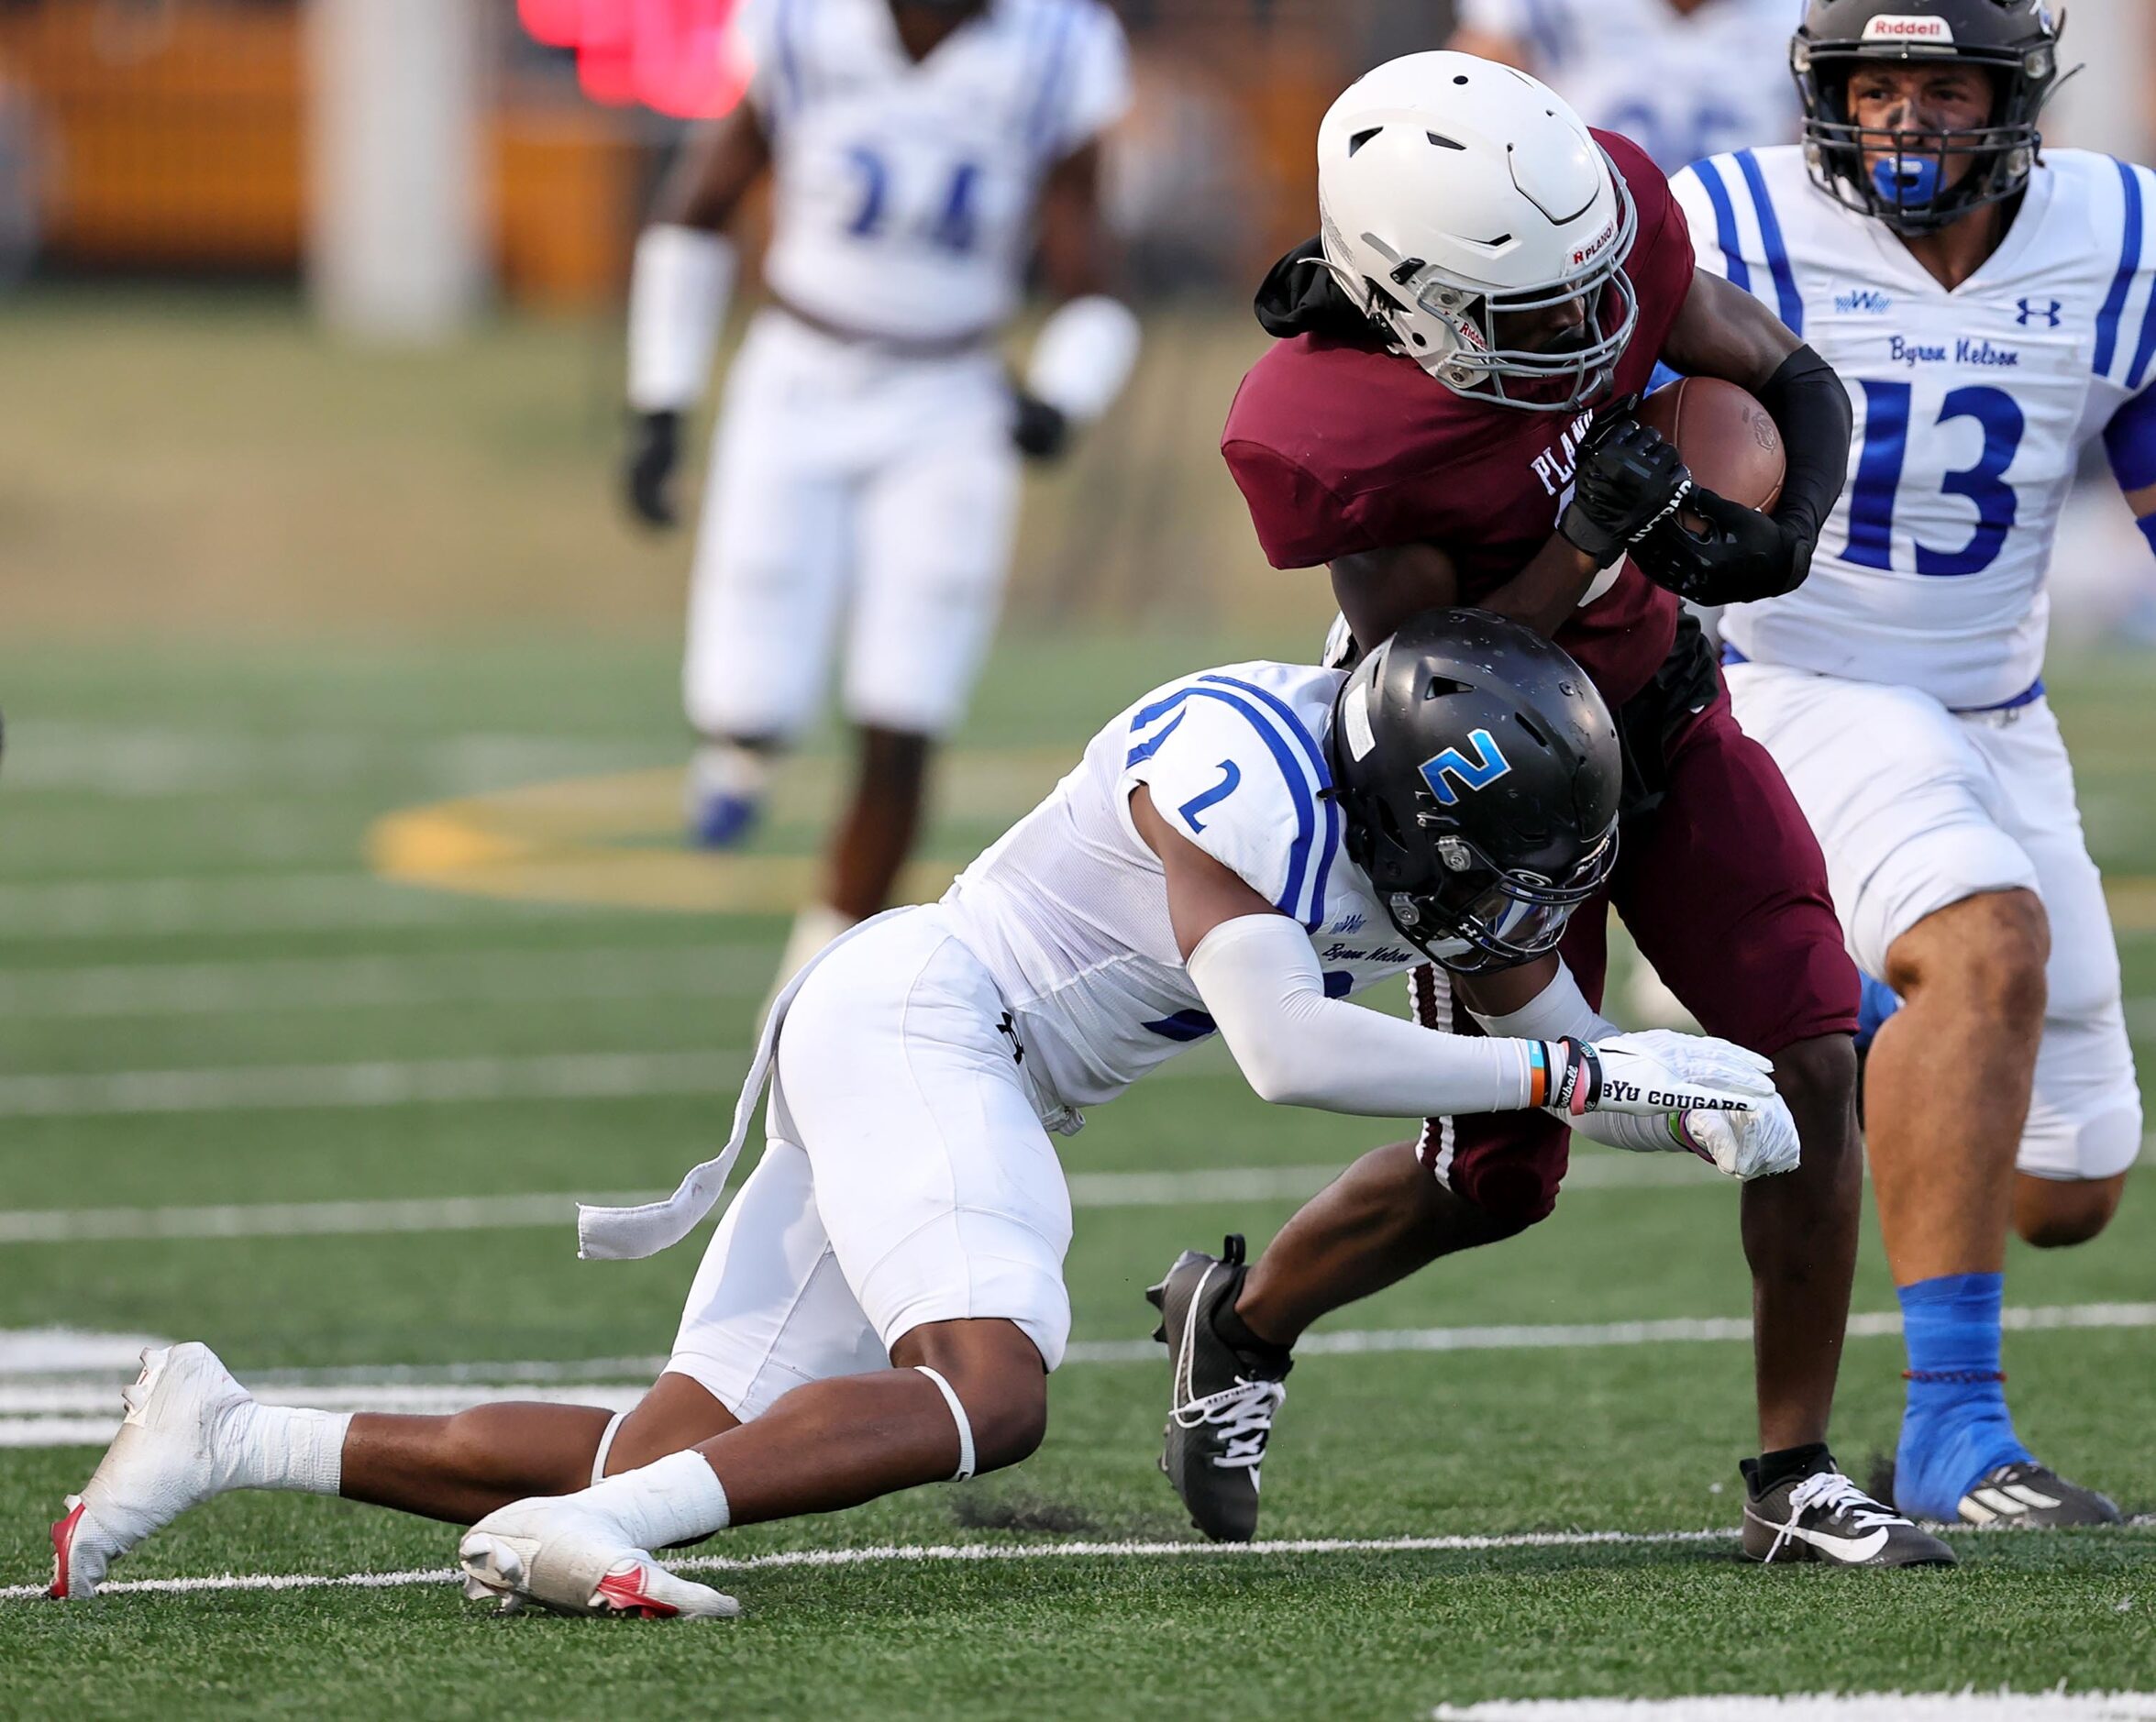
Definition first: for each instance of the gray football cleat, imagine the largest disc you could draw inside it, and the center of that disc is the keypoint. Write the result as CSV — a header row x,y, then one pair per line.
x,y
1825,1516
1222,1404
2027,1496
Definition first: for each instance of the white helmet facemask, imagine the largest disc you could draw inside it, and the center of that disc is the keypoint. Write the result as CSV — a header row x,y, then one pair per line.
x,y
1456,192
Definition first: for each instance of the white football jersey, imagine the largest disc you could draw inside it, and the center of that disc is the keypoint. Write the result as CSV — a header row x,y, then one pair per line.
x,y
1972,408
1069,909
1679,86
905,193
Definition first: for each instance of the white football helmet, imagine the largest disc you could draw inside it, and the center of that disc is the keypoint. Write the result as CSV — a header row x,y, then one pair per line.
x,y
1452,191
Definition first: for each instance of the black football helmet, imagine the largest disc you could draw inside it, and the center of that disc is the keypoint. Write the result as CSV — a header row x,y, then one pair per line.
x,y
1478,771
2015,43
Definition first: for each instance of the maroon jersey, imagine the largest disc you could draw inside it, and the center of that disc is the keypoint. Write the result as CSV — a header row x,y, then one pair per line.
x,y
1341,446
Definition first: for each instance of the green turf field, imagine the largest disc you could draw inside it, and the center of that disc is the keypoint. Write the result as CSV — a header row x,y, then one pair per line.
x,y
210,1007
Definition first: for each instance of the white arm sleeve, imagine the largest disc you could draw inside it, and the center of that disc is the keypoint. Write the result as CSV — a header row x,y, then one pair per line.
x,y
678,289
1561,1012
1261,983
1084,357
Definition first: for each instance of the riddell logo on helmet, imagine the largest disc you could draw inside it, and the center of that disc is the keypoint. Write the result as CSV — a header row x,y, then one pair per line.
x,y
1899,26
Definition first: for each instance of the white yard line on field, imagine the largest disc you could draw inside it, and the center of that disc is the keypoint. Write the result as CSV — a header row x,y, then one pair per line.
x,y
933,1553
387,1082
543,977
926,1554
1967,1706
38,1408
119,760
282,902
495,1213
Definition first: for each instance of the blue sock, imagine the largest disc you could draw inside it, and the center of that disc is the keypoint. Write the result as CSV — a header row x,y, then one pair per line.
x,y
1955,1425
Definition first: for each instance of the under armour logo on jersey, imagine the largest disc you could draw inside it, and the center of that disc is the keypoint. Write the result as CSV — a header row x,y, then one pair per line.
x,y
1479,773
2050,311
1008,1027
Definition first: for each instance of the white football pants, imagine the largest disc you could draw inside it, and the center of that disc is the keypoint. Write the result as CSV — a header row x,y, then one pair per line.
x,y
1917,807
906,1179
840,472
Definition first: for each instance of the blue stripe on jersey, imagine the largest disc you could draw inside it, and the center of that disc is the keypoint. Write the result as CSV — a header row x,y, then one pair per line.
x,y
1769,234
1725,222
2131,440
1292,770
1037,126
783,25
1316,755
2129,261
1146,750
1871,498
1185,1026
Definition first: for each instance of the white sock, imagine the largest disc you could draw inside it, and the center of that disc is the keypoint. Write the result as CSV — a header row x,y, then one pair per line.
x,y
283,1447
725,769
675,1499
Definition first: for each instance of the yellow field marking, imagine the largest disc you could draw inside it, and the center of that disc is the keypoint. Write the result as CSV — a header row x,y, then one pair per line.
x,y
616,839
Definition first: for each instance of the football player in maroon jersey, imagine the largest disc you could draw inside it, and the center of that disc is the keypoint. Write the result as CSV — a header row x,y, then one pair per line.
x,y
1445,419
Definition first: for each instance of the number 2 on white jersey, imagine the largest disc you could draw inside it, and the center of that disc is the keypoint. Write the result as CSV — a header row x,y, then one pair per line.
x,y
1873,491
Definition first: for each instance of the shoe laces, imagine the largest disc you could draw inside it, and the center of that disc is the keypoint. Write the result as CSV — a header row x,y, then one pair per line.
x,y
1834,1493
1244,1416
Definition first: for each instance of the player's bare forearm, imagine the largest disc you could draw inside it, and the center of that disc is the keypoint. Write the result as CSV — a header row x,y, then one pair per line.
x,y
1379,590
714,173
1078,253
1724,332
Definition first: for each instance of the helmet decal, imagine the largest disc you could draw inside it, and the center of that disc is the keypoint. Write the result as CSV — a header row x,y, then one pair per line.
x,y
1479,773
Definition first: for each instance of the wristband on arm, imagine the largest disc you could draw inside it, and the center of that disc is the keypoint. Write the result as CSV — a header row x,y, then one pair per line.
x,y
678,291
1084,355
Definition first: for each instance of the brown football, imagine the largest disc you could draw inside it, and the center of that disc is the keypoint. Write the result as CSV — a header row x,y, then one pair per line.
x,y
1726,437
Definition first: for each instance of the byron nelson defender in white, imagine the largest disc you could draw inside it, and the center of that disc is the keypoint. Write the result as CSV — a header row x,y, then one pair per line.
x,y
883,1301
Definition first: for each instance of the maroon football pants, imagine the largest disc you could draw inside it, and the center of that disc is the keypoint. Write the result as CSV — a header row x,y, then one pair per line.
x,y
1724,890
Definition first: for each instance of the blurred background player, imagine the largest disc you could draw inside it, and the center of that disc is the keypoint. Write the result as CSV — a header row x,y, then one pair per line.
x,y
1680,78
1990,312
922,153
883,1303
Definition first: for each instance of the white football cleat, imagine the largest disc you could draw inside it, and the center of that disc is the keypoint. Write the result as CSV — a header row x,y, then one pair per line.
x,y
166,1459
561,1555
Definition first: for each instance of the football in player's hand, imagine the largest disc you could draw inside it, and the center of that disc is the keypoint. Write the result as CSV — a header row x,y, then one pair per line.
x,y
1728,440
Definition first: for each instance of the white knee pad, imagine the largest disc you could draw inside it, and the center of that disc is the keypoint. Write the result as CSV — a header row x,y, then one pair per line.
x,y
959,1417
2085,1115
605,1447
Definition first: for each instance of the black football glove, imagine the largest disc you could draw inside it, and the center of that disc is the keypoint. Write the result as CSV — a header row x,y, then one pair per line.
x,y
1042,431
1627,479
1734,556
648,470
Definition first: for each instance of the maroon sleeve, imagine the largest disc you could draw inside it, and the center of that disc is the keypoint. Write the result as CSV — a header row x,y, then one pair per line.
x,y
1299,522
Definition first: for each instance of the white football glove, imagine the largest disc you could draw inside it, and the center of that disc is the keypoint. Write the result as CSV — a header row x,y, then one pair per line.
x,y
1754,1145
1654,1074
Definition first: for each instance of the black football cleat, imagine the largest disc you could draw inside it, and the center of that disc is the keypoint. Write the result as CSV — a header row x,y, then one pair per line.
x,y
1825,1516
2025,1495
1222,1404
